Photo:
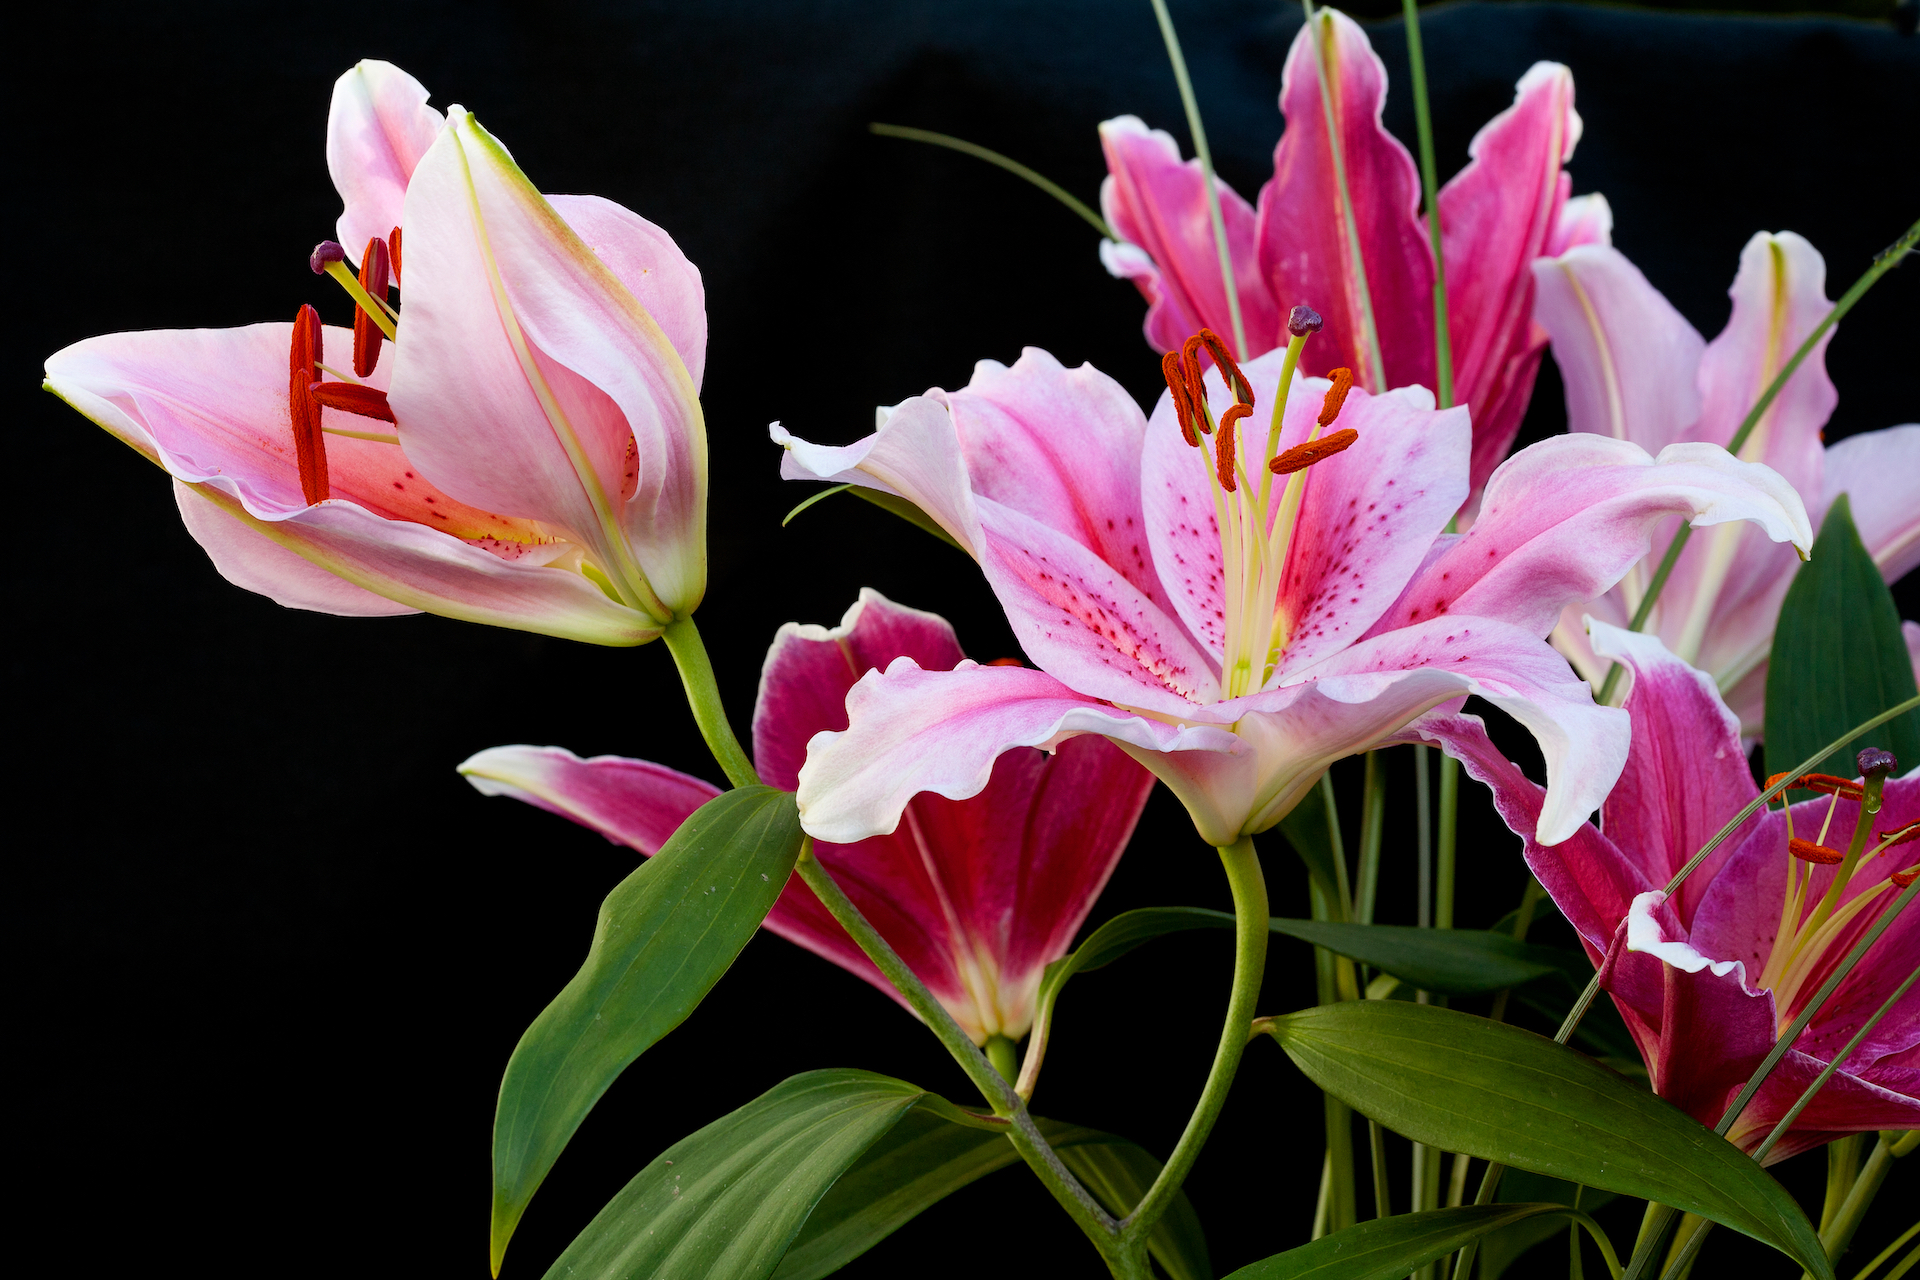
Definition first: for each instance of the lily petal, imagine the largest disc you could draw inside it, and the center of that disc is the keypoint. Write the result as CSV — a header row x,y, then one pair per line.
x,y
913,731
1876,469
1584,219
1310,228
254,562
644,258
1496,216
630,802
1566,518
1686,773
1627,357
1159,207
377,130
915,454
528,376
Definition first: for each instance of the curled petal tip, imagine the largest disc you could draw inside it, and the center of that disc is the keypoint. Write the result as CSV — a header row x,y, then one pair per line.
x,y
324,255
1304,320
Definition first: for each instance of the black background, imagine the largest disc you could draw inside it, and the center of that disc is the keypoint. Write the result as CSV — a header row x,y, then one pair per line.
x,y
272,953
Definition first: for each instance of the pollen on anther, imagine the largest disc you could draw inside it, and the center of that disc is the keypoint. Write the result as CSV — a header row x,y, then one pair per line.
x,y
1336,395
366,334
1808,851
303,408
1828,785
1305,455
1899,835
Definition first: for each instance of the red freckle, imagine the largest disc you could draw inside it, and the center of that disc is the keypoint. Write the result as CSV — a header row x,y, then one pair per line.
x,y
409,475
398,485
433,499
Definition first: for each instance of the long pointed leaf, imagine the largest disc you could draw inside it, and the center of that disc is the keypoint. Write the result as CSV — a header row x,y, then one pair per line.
x,y
1389,1248
663,938
1458,962
1462,1083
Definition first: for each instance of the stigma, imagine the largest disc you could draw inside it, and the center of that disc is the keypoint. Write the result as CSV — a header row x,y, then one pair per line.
x,y
1255,517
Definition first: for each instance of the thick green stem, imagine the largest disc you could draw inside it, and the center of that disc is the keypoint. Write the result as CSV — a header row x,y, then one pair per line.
x,y
703,697
1377,1155
1373,815
1001,1053
1205,156
1886,260
1686,1246
1843,1166
1449,842
1250,935
1423,828
1839,1234
1430,187
1080,1205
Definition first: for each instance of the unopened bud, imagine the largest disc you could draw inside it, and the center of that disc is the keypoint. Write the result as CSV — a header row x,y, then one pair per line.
x,y
1304,320
325,254
1876,763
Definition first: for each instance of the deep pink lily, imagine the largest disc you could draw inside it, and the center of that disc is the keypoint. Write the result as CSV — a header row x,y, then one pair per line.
x,y
1361,252
528,452
977,896
1708,979
1636,370
1332,614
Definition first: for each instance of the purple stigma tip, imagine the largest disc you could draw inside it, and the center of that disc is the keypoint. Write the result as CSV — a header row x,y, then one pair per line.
x,y
1303,321
324,254
1876,763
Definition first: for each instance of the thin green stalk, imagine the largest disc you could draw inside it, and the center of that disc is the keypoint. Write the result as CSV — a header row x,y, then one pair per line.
x,y
1826,1073
1576,1266
1250,935
1687,1242
1839,1235
1843,1166
1886,260
1449,842
1100,1226
703,698
1200,149
1430,187
1012,166
1377,1156
1373,815
1423,826
1867,1271
1342,1201
1375,373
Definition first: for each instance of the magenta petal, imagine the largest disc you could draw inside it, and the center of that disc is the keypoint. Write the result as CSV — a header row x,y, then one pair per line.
x,y
1496,216
377,130
1305,225
810,669
631,802
1686,773
1158,205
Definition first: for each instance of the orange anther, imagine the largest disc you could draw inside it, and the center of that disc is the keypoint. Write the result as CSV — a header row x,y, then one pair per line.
x,y
1305,455
1229,371
1828,785
349,397
1225,455
1900,835
1905,878
1005,662
1771,781
393,247
366,334
1336,395
303,409
1808,851
1176,376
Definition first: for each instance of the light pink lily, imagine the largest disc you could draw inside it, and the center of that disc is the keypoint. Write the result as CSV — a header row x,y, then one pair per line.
x,y
1331,614
977,896
1360,251
1635,370
1708,979
529,452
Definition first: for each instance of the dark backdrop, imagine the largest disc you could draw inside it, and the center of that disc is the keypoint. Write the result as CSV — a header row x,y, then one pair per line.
x,y
272,953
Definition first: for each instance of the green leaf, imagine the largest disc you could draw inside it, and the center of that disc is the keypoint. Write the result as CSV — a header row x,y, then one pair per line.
x,y
1389,1248
908,511
728,1200
1500,1249
925,1158
1838,657
1461,1083
664,936
1458,962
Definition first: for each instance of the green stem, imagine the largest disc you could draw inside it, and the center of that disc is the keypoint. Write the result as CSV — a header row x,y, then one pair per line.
x,y
1865,1272
1843,1166
1013,167
1423,826
1250,935
1099,1226
1886,260
1001,1053
1430,186
1377,1156
1687,1242
703,697
1199,132
1839,1235
1373,814
1449,842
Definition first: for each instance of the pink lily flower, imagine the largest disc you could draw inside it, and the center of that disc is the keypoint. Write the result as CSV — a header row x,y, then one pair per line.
x,y
1708,979
1365,260
1236,638
528,451
1635,370
977,896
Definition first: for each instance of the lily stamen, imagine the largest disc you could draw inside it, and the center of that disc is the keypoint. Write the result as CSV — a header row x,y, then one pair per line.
x,y
328,258
373,280
1302,456
303,406
1808,851
353,397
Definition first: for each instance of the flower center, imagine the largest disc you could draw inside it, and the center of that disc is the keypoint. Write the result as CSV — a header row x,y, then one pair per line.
x,y
374,321
1256,522
1816,931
